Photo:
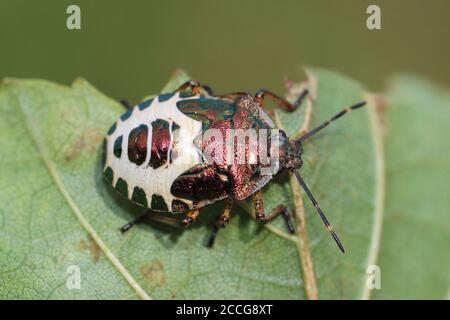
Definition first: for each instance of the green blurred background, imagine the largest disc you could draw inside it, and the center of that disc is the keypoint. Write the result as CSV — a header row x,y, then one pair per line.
x,y
128,49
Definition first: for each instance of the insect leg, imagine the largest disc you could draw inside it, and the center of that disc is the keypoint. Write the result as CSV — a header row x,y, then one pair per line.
x,y
232,96
282,103
190,218
224,217
257,199
132,223
222,221
126,104
195,86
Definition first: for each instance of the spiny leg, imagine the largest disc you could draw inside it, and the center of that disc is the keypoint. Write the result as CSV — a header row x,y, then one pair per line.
x,y
127,104
282,103
195,86
190,218
134,222
309,134
222,221
258,202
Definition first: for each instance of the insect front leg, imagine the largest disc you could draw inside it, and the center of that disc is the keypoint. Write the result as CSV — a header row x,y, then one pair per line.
x,y
281,103
222,221
195,86
258,202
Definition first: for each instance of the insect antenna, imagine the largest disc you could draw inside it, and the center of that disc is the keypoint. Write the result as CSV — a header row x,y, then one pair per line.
x,y
309,134
319,211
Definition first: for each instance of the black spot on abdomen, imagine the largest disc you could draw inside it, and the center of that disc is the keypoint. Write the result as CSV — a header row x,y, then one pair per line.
x,y
104,151
122,187
118,147
165,97
126,115
108,174
145,104
139,196
112,129
158,203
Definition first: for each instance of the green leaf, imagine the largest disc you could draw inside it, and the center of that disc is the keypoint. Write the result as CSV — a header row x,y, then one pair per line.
x,y
56,211
414,257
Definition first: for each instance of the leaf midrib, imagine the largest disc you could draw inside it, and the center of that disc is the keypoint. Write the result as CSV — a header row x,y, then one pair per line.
x,y
44,155
302,243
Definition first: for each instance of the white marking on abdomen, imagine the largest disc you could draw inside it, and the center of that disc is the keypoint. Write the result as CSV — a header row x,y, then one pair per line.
x,y
159,180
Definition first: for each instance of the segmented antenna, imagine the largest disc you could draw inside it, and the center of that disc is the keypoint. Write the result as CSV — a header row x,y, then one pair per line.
x,y
309,134
319,210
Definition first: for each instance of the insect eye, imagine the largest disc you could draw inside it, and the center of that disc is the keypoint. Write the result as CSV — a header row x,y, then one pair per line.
x,y
282,133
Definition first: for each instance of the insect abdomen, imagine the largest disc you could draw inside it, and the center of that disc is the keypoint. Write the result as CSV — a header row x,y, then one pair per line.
x,y
148,148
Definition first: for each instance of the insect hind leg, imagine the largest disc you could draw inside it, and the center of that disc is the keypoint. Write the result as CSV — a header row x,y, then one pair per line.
x,y
190,218
134,222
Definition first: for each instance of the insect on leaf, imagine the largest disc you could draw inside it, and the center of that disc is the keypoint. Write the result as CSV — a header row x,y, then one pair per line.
x,y
57,213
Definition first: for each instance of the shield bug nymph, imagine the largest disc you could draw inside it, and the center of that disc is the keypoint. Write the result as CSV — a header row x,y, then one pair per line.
x,y
180,151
